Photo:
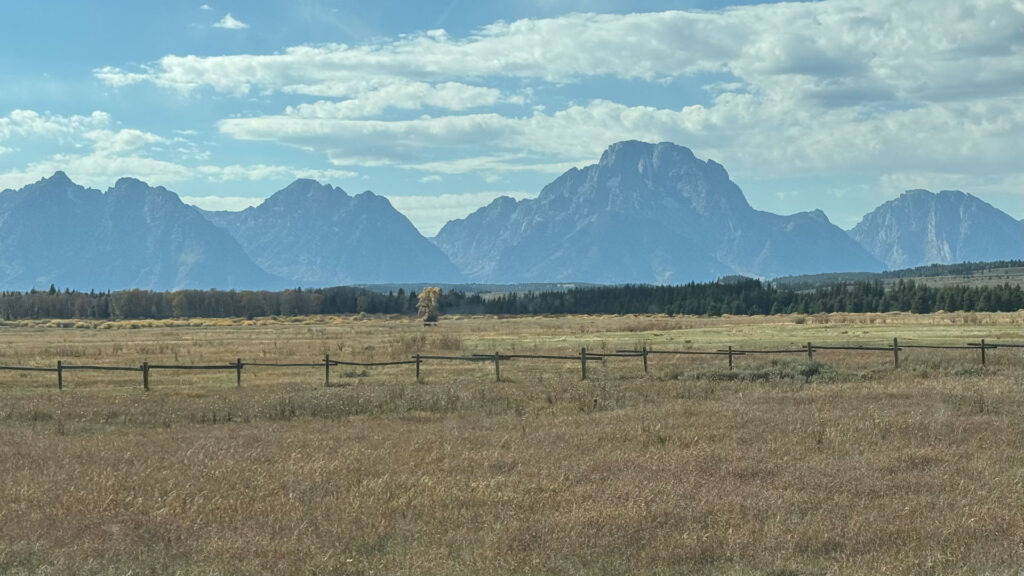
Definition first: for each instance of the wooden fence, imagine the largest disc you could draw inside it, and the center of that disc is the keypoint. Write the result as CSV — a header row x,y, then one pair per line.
x,y
497,358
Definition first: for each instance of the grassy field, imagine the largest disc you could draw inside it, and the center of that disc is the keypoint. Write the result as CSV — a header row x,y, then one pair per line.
x,y
842,466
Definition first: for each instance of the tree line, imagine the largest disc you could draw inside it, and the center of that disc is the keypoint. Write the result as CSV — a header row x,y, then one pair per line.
x,y
752,297
962,269
130,304
738,296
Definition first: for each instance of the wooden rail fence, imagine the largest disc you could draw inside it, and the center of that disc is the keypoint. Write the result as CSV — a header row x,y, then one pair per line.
x,y
497,358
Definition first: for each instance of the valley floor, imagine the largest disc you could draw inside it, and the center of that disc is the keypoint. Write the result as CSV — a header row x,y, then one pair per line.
x,y
842,466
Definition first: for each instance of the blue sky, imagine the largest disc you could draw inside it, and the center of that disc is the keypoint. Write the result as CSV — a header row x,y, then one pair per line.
x,y
442,106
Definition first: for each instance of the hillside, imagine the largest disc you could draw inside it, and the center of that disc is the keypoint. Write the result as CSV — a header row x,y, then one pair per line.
x,y
974,274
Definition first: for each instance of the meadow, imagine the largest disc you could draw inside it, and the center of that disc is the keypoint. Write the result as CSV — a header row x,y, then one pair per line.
x,y
780,466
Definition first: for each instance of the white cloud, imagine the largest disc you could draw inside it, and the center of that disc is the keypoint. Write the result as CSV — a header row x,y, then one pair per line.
x,y
102,167
114,142
4,150
97,170
771,139
557,50
32,124
838,87
230,203
391,93
257,172
812,84
370,142
496,163
324,176
116,77
430,213
110,153
228,22
100,155
901,49
205,7
424,180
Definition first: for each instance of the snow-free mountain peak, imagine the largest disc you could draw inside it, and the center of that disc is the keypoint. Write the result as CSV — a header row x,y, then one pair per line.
x,y
644,213
56,186
133,236
318,235
304,194
634,173
921,227
59,178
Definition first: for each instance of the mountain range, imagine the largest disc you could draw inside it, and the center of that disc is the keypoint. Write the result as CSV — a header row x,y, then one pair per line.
x,y
317,235
650,213
645,213
133,236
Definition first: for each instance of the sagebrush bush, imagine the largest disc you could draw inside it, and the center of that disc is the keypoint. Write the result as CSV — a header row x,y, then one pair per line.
x,y
777,371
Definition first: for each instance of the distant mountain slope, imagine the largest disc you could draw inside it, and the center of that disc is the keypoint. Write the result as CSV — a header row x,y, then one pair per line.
x,y
645,213
993,273
132,236
318,235
921,227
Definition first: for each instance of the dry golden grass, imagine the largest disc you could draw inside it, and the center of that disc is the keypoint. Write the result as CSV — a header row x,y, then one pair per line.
x,y
778,467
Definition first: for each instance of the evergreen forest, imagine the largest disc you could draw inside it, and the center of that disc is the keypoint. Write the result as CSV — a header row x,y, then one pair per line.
x,y
736,296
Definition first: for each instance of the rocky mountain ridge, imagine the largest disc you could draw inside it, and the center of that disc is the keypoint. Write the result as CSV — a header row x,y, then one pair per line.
x,y
650,213
644,213
132,236
921,227
317,235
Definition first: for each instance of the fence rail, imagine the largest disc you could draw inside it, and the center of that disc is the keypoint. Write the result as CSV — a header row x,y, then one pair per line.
x,y
66,367
854,348
932,347
347,363
583,357
780,351
192,367
285,364
27,369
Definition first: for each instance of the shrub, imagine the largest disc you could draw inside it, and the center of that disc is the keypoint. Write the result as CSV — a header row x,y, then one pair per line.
x,y
776,371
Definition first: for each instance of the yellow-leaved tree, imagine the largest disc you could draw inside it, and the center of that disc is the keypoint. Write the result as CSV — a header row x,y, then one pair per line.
x,y
428,303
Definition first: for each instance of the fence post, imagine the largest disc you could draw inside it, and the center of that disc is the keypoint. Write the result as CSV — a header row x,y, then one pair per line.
x,y
145,376
327,370
238,373
417,366
982,351
645,359
497,367
895,352
730,357
583,362
810,352
60,375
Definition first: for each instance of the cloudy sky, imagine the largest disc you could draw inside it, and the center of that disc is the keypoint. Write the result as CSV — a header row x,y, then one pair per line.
x,y
442,106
